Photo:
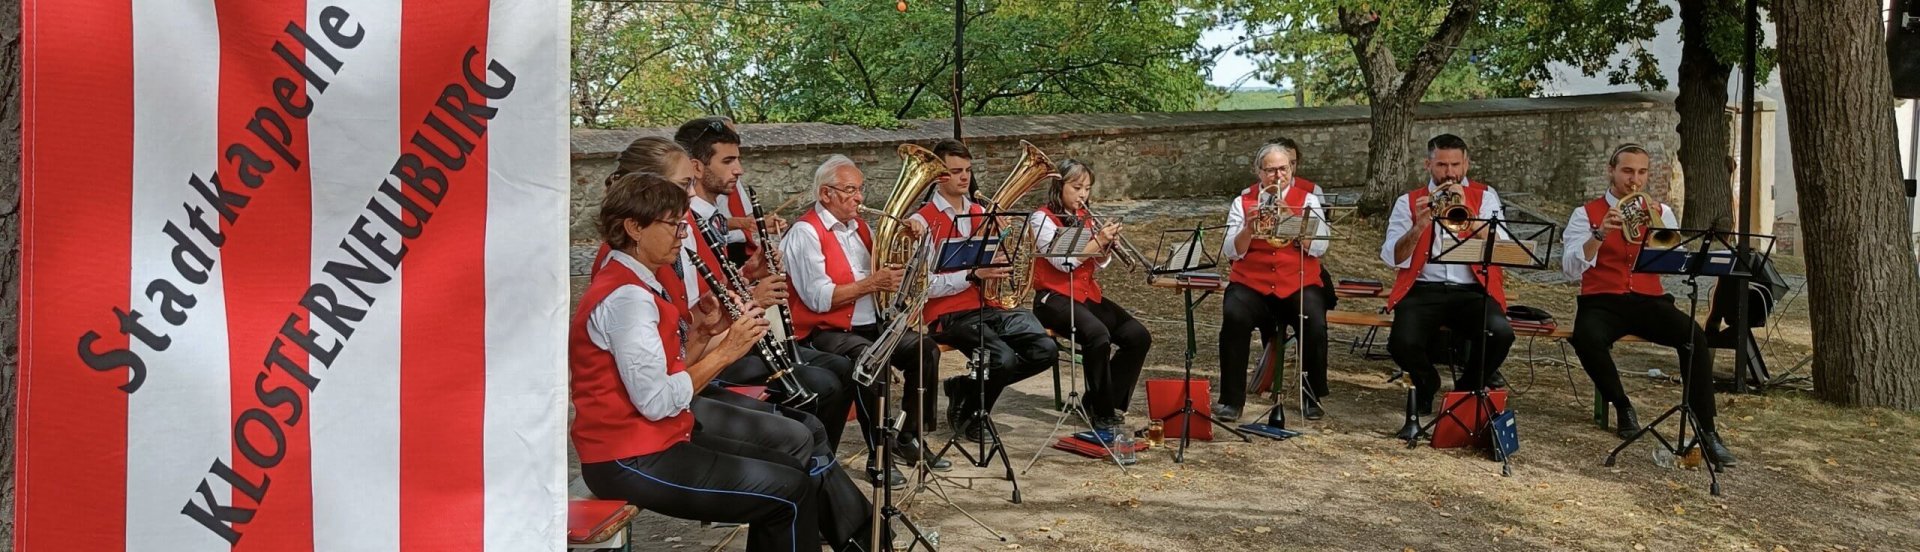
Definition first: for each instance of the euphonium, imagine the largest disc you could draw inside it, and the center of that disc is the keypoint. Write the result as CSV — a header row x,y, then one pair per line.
x,y
1033,168
919,169
1641,225
1450,206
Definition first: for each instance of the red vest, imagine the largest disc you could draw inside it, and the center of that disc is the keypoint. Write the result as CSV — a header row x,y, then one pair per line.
x,y
1402,283
704,250
675,287
942,228
839,271
1051,278
1612,270
1273,270
606,426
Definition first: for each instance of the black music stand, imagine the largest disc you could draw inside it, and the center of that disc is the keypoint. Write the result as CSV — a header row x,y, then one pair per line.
x,y
981,250
1715,255
1071,243
1185,260
1507,243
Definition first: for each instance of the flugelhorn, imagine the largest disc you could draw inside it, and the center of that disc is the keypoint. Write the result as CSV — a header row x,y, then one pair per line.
x,y
1449,205
1641,225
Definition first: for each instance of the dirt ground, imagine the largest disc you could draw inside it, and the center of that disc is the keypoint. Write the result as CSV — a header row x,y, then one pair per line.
x,y
1811,476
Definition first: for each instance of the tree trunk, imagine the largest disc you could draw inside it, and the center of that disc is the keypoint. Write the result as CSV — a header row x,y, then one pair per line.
x,y
1705,136
1865,291
1390,122
9,253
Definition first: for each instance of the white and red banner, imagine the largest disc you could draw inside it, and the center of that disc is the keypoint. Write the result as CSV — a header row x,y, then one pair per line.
x,y
293,275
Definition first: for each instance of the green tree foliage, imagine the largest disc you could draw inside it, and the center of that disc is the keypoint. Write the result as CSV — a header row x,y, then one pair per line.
x,y
1508,51
866,62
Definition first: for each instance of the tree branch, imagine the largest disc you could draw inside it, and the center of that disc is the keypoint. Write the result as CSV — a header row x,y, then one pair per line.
x,y
1377,65
1433,55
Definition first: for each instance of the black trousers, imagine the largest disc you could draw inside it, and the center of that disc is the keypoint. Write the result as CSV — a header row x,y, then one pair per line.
x,y
1113,346
1016,347
1465,310
736,424
916,357
1244,310
1604,319
826,375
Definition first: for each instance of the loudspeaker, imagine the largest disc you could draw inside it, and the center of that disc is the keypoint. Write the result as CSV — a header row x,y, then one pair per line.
x,y
1903,49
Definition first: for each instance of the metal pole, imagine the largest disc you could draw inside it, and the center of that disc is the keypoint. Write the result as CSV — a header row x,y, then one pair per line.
x,y
1741,331
959,59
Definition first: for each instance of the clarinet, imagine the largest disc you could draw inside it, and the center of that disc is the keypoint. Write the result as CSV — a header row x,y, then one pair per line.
x,y
782,320
794,394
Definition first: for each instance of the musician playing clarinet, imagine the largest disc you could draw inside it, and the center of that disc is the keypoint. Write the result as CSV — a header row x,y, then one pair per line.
x,y
632,388
1615,301
1112,344
1272,284
1428,296
829,259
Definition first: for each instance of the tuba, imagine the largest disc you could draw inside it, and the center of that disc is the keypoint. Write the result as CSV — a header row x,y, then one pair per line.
x,y
1450,207
1641,224
1033,168
919,169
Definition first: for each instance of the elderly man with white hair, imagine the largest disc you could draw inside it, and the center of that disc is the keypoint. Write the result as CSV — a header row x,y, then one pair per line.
x,y
828,251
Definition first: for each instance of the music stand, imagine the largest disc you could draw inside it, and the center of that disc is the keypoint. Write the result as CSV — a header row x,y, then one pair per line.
x,y
1313,224
1071,243
1715,255
1507,244
1185,260
980,249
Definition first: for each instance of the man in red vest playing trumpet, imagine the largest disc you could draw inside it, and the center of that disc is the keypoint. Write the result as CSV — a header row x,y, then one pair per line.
x,y
1616,302
1269,281
1428,296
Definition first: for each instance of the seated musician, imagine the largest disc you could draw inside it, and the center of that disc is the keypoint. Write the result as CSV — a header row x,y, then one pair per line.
x,y
713,150
829,258
721,196
1272,285
1015,345
632,390
1112,344
1427,296
1617,302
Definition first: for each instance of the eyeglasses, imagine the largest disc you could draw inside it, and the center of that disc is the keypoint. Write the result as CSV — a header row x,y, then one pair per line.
x,y
681,228
1276,170
849,190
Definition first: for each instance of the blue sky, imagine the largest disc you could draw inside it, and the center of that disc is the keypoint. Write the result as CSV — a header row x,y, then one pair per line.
x,y
1230,67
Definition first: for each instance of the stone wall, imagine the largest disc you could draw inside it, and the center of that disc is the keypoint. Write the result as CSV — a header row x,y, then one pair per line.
x,y
1555,148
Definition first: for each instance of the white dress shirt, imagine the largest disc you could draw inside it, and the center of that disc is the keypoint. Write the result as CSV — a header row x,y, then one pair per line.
x,y
1237,218
1402,222
725,208
807,264
1046,230
626,324
1580,230
948,283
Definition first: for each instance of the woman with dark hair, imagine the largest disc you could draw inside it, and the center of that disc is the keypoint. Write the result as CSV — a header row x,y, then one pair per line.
x,y
1069,302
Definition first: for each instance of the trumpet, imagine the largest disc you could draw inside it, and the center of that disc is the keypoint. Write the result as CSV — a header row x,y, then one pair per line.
x,y
1128,254
1451,206
1640,225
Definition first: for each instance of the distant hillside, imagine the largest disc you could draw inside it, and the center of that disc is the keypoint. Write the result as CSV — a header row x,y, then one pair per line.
x,y
1258,98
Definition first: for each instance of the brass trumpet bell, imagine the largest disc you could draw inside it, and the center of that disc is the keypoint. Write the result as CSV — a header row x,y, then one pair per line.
x,y
1641,225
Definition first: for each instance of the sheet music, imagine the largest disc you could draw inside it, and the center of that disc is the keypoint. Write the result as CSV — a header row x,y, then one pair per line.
x,y
1069,242
1185,256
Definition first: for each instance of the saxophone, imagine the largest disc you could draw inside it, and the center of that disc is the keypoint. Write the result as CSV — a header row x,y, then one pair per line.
x,y
1033,168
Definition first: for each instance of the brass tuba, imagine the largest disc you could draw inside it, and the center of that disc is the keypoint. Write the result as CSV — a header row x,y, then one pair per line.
x,y
1450,206
919,169
1641,225
1033,168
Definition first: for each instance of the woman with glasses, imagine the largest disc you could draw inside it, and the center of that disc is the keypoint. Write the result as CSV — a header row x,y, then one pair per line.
x,y
1069,300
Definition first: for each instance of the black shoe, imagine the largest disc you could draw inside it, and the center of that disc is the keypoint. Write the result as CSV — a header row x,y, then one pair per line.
x,y
977,432
1423,404
1109,422
1225,413
1626,422
908,452
1717,450
955,412
895,480
1496,381
1314,412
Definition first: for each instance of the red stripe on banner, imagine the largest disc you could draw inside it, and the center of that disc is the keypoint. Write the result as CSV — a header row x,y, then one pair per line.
x,y
265,261
76,173
443,294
